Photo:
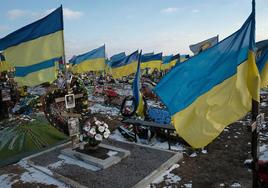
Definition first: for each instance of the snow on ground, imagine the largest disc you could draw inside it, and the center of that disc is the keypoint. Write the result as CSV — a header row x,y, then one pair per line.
x,y
96,99
116,135
98,108
167,177
31,175
68,160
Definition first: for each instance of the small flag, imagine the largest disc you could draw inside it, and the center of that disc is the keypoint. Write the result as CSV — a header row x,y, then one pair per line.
x,y
201,46
262,61
90,61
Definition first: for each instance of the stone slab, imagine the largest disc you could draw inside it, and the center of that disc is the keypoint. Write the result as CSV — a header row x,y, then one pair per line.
x,y
139,169
100,163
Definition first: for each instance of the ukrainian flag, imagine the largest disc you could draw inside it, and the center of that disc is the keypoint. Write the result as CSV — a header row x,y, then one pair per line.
x,y
184,58
262,61
214,88
201,46
166,64
118,56
138,101
90,61
174,60
34,47
4,66
151,61
125,66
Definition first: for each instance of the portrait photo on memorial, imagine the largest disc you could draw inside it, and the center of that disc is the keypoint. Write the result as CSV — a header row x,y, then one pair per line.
x,y
69,101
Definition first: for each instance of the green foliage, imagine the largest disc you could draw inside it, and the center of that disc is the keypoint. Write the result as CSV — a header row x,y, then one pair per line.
x,y
33,136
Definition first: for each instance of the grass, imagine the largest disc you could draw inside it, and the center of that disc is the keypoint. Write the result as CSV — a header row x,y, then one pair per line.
x,y
28,138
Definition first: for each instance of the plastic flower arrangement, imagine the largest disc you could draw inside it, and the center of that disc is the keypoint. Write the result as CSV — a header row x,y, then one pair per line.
x,y
93,133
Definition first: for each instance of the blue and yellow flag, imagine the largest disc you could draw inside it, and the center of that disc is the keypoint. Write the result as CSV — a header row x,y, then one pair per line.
x,y
35,48
214,88
125,66
90,61
166,64
138,101
151,61
4,66
262,61
202,46
174,60
118,56
184,58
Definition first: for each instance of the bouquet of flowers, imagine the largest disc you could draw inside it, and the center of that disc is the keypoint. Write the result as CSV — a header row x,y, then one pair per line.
x,y
94,132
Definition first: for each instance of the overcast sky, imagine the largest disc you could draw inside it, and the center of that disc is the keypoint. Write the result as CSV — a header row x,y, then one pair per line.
x,y
167,26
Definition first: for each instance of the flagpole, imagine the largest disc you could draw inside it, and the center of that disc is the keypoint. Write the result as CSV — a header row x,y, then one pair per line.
x,y
255,113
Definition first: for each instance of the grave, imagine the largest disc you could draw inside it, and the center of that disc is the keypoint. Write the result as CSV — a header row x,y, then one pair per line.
x,y
115,164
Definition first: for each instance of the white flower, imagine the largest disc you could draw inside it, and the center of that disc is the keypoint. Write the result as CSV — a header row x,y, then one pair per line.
x,y
86,128
97,122
101,129
106,135
108,131
105,125
92,131
98,137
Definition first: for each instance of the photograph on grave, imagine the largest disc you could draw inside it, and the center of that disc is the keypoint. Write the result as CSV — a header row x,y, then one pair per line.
x,y
73,126
69,101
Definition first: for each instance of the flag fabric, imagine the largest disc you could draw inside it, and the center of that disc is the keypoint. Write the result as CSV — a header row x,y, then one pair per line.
x,y
214,88
90,61
175,59
34,47
201,46
4,66
125,66
138,101
166,64
152,62
118,56
262,61
184,58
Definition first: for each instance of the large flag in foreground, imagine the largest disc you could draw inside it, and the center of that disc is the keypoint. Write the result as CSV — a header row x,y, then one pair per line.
x,y
262,61
34,49
138,101
214,88
151,61
90,61
201,46
124,66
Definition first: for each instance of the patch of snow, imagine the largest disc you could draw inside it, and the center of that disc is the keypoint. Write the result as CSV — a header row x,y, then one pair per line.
x,y
222,185
204,151
188,185
116,135
33,175
263,152
69,160
168,176
98,108
95,99
236,185
194,154
112,153
5,180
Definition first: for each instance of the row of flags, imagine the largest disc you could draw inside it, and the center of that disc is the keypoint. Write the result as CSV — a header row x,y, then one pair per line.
x,y
120,65
203,95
